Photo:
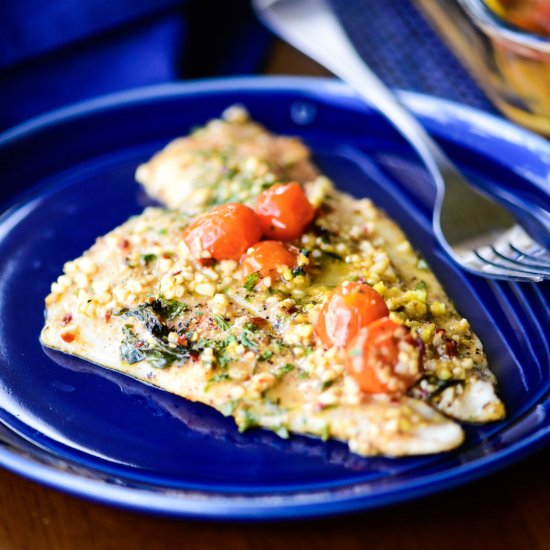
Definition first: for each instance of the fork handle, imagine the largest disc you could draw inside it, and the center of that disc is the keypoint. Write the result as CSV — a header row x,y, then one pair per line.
x,y
313,28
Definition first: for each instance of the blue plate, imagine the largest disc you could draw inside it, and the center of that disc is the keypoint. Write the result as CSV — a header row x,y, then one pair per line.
x,y
99,434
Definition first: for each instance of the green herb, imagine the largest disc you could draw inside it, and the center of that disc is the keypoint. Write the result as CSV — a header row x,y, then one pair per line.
x,y
303,375
283,369
355,352
421,285
221,322
169,308
333,255
152,313
298,270
251,326
163,231
246,339
421,264
325,432
327,384
227,409
323,233
221,377
282,432
148,258
251,281
266,355
248,421
305,252
158,354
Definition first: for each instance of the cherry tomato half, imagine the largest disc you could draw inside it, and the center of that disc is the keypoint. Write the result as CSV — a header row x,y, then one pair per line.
x,y
224,233
284,211
266,256
384,358
350,307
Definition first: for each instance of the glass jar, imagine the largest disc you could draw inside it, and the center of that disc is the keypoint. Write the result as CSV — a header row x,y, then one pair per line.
x,y
511,65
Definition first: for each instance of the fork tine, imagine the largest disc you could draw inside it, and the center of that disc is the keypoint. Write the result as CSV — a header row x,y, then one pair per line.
x,y
511,254
535,254
492,257
480,265
523,244
521,263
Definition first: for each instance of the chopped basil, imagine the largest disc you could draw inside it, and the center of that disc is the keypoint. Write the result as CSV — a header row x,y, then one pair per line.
x,y
158,354
248,421
221,322
282,432
246,339
221,377
251,281
298,270
227,409
421,285
266,355
333,255
421,264
148,258
283,369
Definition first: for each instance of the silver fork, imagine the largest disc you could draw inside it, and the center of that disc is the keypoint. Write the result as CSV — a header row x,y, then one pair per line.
x,y
479,234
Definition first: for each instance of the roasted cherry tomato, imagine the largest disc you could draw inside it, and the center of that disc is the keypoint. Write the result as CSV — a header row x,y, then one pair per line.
x,y
266,256
224,233
350,307
384,358
284,211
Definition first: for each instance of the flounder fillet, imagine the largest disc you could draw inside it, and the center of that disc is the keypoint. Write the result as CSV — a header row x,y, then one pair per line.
x,y
138,303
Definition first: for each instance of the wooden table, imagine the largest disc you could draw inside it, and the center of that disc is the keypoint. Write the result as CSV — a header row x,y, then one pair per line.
x,y
508,510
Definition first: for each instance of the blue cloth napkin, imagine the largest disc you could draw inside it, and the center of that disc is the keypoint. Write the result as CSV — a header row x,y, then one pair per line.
x,y
400,46
62,51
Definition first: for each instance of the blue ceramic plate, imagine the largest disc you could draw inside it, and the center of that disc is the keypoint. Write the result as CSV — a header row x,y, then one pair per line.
x,y
99,434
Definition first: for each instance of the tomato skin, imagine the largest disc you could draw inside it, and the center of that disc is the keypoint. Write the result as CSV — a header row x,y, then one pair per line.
x,y
223,233
284,211
350,307
373,355
265,256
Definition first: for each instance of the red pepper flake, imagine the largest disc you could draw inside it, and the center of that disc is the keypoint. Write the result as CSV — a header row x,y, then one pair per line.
x,y
182,341
67,318
194,356
68,336
139,345
449,345
206,262
291,309
108,315
260,322
123,244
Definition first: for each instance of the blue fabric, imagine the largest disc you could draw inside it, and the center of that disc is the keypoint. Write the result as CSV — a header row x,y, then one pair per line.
x,y
56,52
33,27
401,47
144,54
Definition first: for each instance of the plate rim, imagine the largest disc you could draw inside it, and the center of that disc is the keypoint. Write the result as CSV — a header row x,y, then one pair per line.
x,y
200,504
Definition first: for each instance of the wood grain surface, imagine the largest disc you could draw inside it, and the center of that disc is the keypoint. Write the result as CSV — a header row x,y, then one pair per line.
x,y
507,510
